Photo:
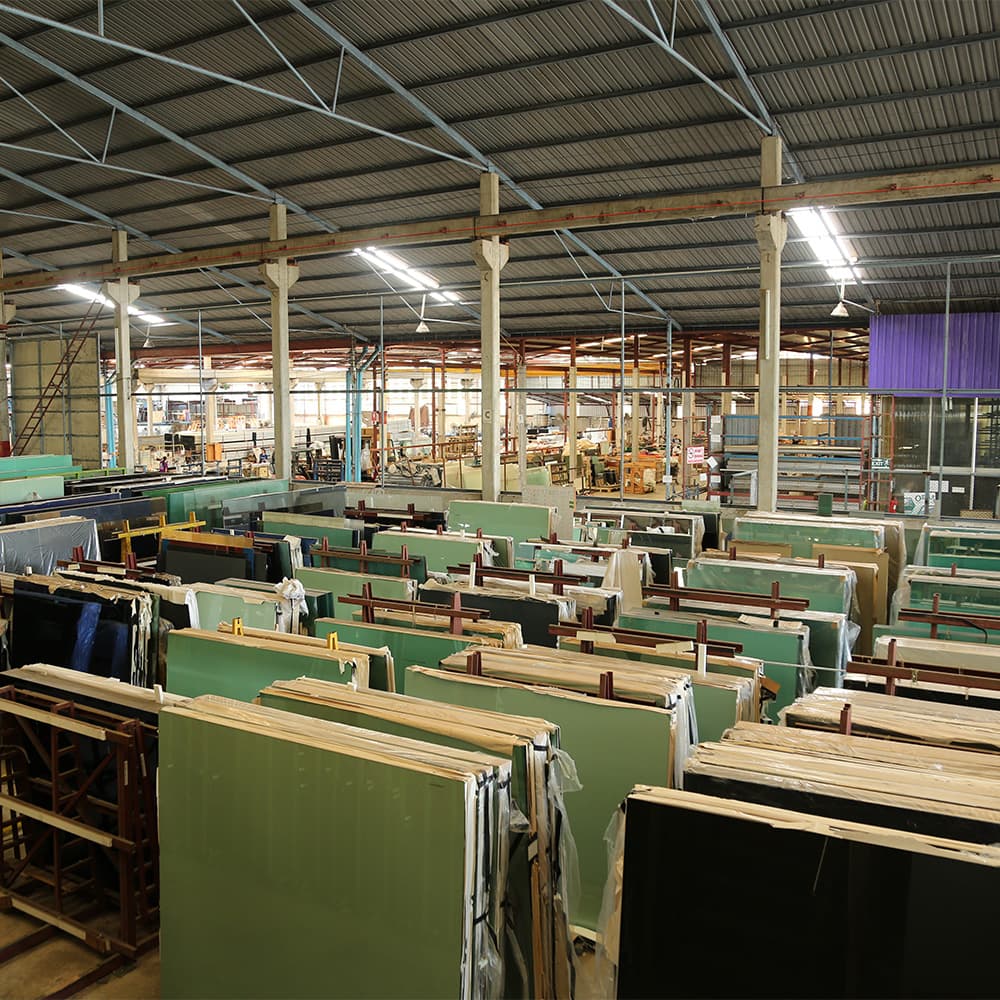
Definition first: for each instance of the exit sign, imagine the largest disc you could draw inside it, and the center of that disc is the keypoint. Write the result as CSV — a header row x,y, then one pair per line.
x,y
880,464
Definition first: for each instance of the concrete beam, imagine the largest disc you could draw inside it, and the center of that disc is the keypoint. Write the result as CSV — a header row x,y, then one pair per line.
x,y
488,225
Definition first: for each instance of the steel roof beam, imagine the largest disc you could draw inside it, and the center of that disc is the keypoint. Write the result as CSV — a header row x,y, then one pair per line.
x,y
198,70
679,161
113,223
146,174
708,16
665,45
147,122
460,140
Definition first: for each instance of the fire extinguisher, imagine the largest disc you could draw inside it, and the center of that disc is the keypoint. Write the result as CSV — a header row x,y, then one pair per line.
x,y
893,505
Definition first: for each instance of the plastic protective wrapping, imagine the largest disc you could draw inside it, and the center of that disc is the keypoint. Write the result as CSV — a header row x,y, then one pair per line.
x,y
294,593
489,980
37,546
826,589
609,924
295,551
894,529
563,780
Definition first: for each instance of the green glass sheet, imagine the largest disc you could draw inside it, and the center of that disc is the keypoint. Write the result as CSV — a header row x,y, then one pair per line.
x,y
205,501
426,649
295,871
32,465
310,526
439,552
783,652
826,590
319,602
340,583
198,665
802,535
958,594
829,645
614,745
411,731
681,545
26,490
921,630
214,608
519,521
715,709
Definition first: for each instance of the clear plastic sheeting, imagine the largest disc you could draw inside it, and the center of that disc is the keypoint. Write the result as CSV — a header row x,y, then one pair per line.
x,y
610,921
37,546
803,535
827,589
295,593
893,529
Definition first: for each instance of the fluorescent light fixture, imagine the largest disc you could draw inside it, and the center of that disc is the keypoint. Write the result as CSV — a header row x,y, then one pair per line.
x,y
82,292
817,226
611,340
420,281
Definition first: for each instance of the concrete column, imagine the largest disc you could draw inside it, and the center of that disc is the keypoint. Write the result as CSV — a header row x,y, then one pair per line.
x,y
211,415
522,423
772,230
725,400
491,256
442,411
7,311
279,276
571,432
636,402
727,380
122,294
687,414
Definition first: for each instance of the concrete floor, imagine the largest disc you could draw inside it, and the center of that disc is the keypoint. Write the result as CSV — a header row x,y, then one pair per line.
x,y
55,963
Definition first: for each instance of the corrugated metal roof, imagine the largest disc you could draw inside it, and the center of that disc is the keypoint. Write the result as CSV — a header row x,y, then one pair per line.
x,y
567,97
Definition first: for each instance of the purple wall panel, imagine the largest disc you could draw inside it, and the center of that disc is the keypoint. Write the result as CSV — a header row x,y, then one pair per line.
x,y
907,354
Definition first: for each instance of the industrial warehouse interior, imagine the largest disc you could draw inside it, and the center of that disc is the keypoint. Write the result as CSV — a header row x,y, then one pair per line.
x,y
499,498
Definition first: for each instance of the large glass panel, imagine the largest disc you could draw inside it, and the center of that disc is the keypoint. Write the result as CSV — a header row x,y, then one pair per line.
x,y
958,420
910,426
988,437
